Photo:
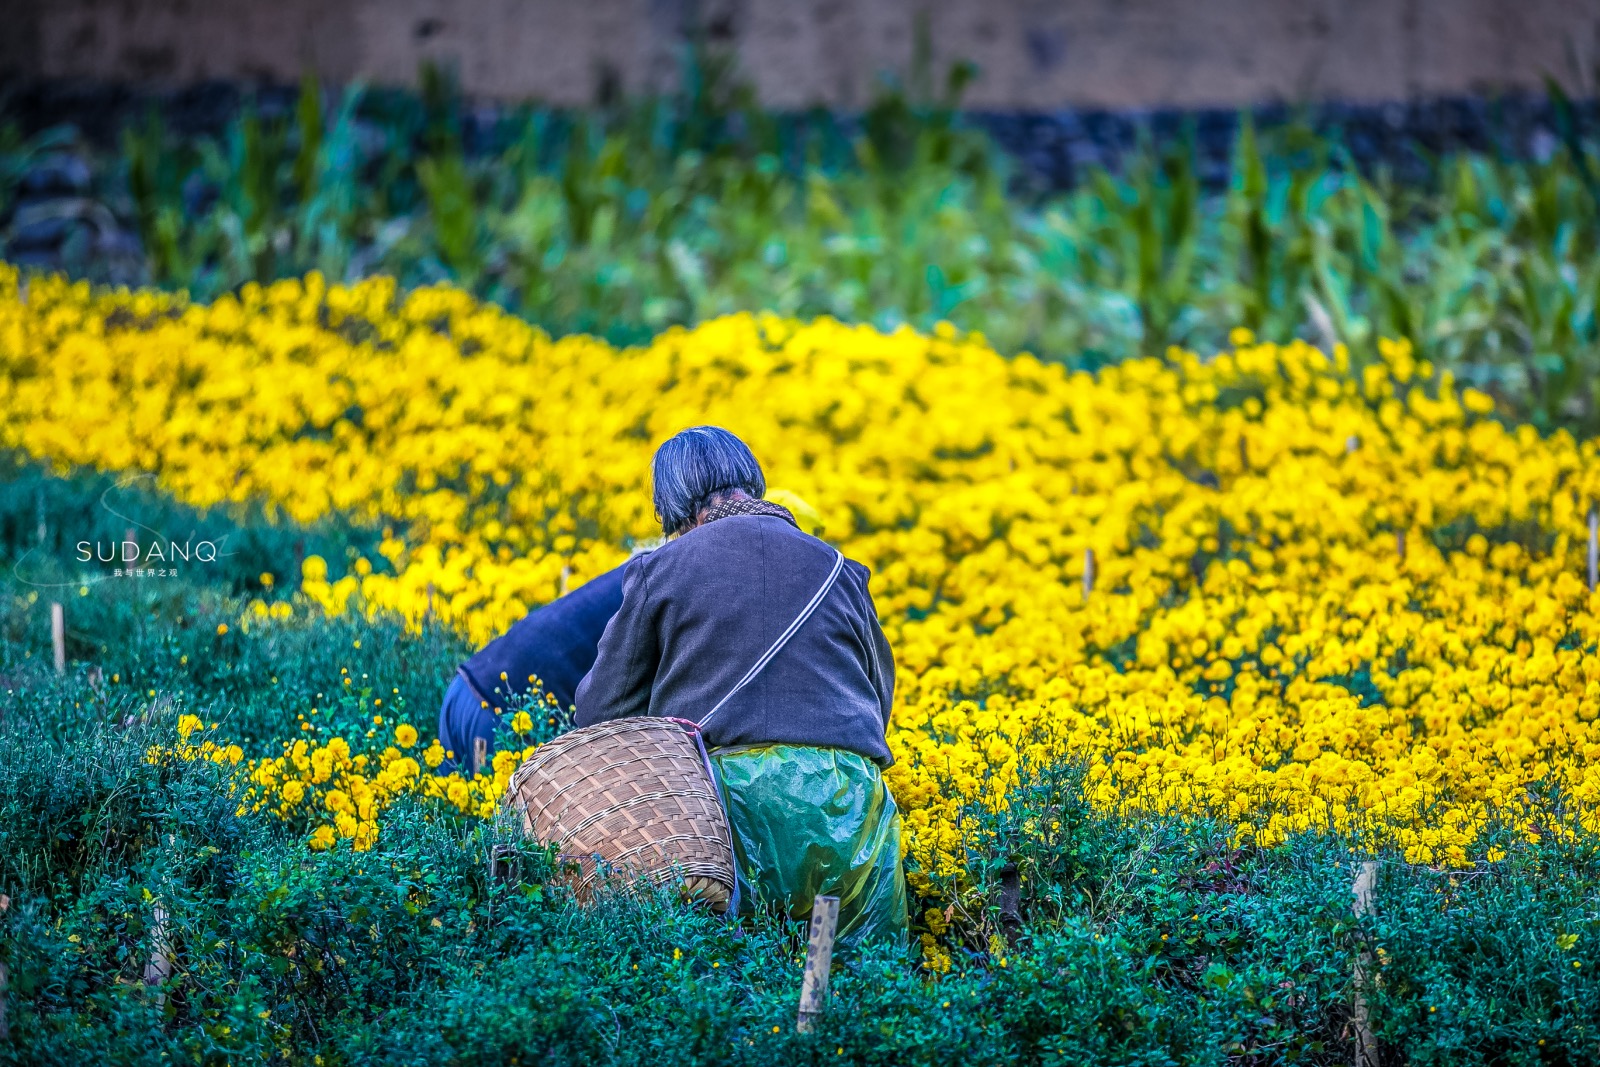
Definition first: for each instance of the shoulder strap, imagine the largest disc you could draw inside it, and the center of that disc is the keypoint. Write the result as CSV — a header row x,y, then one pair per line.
x,y
783,638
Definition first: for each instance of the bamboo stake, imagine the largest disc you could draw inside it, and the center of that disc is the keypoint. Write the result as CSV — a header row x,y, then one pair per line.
x,y
1594,547
1360,1020
1088,573
58,636
499,873
159,969
819,958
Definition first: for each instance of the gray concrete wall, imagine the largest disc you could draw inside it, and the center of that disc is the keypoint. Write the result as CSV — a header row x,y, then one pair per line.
x,y
1032,54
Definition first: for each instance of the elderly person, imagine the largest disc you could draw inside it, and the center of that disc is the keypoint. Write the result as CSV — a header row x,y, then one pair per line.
x,y
797,751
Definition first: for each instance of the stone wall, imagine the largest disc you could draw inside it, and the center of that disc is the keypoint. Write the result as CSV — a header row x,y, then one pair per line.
x,y
1031,54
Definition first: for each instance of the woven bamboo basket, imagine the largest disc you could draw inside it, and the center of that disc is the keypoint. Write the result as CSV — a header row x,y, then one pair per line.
x,y
629,799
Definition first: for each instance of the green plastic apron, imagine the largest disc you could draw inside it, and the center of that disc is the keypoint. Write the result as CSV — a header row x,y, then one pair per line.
x,y
809,821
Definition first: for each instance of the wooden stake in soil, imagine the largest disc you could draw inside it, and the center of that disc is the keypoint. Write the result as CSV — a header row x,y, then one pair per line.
x,y
58,636
500,864
819,958
1010,904
1366,1043
1594,547
159,969
1088,573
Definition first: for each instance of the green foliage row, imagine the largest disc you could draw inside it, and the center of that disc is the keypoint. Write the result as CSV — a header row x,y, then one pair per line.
x,y
178,652
1150,941
627,220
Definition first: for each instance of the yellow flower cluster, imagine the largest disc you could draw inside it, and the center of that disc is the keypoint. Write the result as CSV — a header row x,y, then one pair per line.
x,y
1262,585
207,749
339,795
333,794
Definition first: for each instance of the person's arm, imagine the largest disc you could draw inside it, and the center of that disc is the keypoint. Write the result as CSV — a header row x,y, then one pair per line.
x,y
625,667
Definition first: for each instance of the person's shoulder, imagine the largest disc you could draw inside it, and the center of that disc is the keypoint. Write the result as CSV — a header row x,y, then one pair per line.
x,y
806,543
854,571
859,575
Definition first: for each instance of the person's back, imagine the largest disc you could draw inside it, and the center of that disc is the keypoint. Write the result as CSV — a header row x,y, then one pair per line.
x,y
699,611
797,751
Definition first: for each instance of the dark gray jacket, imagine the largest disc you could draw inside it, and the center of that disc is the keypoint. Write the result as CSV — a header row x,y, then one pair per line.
x,y
698,612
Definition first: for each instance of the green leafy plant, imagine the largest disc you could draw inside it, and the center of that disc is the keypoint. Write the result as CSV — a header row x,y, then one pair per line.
x,y
1077,935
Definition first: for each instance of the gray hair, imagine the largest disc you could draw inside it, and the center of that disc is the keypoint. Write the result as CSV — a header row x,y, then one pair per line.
x,y
693,467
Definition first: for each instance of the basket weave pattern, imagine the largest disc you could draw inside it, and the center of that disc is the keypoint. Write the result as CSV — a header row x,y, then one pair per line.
x,y
631,798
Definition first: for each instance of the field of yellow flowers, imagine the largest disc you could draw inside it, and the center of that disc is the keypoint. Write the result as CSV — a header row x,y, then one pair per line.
x,y
1259,585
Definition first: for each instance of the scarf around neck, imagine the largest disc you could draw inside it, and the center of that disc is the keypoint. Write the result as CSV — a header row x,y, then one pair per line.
x,y
747,506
